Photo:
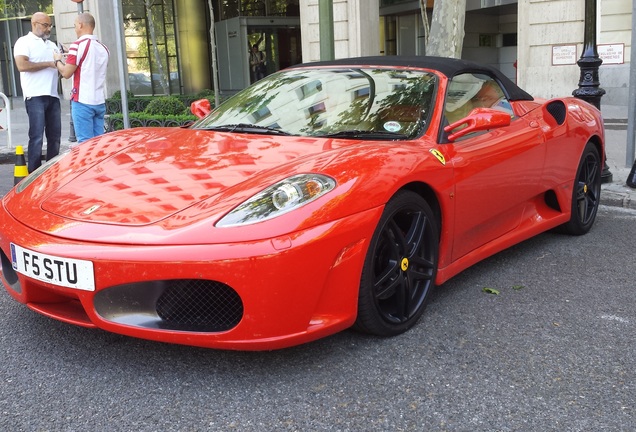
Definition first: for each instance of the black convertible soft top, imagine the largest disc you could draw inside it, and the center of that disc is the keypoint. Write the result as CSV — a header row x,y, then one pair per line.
x,y
447,66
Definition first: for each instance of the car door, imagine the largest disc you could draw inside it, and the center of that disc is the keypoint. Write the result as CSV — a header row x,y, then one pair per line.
x,y
497,173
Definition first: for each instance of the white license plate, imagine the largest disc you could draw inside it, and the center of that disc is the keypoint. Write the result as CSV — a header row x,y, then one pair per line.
x,y
66,272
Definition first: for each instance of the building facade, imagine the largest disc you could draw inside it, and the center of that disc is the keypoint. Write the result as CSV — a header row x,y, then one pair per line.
x,y
551,39
168,45
534,42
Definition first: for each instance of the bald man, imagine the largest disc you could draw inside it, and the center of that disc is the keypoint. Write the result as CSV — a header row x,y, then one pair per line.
x,y
86,62
33,55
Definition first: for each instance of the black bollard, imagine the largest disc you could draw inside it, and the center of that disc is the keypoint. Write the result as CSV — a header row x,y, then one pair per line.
x,y
631,178
71,135
589,86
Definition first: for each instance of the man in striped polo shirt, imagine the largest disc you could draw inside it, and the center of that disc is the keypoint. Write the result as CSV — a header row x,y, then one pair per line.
x,y
86,62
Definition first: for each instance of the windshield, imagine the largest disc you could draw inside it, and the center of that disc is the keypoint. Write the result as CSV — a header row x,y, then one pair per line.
x,y
337,102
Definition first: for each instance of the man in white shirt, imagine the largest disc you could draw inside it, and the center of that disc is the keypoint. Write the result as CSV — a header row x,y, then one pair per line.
x,y
33,55
86,62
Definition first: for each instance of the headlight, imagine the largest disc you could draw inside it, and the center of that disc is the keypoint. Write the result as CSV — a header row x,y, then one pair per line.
x,y
283,197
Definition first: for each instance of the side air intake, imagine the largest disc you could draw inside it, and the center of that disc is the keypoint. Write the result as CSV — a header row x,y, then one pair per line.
x,y
557,110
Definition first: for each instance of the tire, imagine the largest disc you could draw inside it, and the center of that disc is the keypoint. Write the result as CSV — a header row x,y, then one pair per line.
x,y
586,193
400,267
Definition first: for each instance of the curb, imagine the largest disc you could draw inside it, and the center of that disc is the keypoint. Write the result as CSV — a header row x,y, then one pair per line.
x,y
6,158
617,195
615,124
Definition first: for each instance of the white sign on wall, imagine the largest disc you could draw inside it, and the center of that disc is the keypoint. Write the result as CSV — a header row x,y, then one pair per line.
x,y
611,53
563,55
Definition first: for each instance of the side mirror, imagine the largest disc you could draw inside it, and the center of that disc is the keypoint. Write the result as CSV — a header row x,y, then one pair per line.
x,y
200,108
479,119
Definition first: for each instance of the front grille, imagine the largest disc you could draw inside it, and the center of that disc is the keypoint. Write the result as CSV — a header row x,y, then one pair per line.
x,y
202,305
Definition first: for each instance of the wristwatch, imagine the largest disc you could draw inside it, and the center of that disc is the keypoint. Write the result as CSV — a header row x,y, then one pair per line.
x,y
58,60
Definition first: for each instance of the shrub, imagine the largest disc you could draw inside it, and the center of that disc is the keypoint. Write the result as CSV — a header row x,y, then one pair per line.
x,y
116,121
117,95
166,105
205,94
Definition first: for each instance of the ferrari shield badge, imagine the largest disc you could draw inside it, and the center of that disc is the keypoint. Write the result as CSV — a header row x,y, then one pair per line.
x,y
438,155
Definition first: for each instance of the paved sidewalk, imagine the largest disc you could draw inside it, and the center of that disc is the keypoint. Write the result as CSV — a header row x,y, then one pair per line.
x,y
20,130
615,193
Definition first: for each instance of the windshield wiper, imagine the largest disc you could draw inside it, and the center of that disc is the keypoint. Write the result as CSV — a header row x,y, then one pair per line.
x,y
246,127
367,134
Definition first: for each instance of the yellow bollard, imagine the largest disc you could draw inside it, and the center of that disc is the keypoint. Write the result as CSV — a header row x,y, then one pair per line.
x,y
20,171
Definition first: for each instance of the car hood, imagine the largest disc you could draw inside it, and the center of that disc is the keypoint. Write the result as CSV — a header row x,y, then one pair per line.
x,y
155,186
143,176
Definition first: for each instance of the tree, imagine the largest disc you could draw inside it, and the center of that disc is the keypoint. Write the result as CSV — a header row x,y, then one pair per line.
x,y
424,14
24,8
215,76
446,35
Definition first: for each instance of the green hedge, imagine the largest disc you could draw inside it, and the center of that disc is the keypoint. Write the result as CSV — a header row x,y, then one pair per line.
x,y
140,103
153,111
166,105
115,122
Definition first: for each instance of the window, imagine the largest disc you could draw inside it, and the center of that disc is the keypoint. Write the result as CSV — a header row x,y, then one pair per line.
x,y
317,109
309,89
157,67
361,93
468,91
341,105
509,39
234,8
260,114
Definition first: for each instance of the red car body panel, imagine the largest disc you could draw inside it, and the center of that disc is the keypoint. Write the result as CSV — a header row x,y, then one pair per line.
x,y
143,205
290,313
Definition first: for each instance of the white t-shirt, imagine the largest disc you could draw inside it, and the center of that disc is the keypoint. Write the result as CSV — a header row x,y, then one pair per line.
x,y
43,82
91,58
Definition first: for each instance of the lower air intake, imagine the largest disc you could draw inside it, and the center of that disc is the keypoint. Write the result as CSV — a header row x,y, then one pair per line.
x,y
202,305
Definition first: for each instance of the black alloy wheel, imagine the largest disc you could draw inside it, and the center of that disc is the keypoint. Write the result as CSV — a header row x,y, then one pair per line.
x,y
400,267
586,194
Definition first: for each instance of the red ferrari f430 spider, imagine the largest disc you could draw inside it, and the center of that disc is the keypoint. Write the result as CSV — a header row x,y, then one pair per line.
x,y
325,196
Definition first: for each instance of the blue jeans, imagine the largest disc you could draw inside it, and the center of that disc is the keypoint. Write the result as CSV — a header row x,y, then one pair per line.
x,y
45,117
88,120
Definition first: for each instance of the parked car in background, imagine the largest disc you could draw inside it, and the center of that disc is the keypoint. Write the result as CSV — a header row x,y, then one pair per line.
x,y
140,83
